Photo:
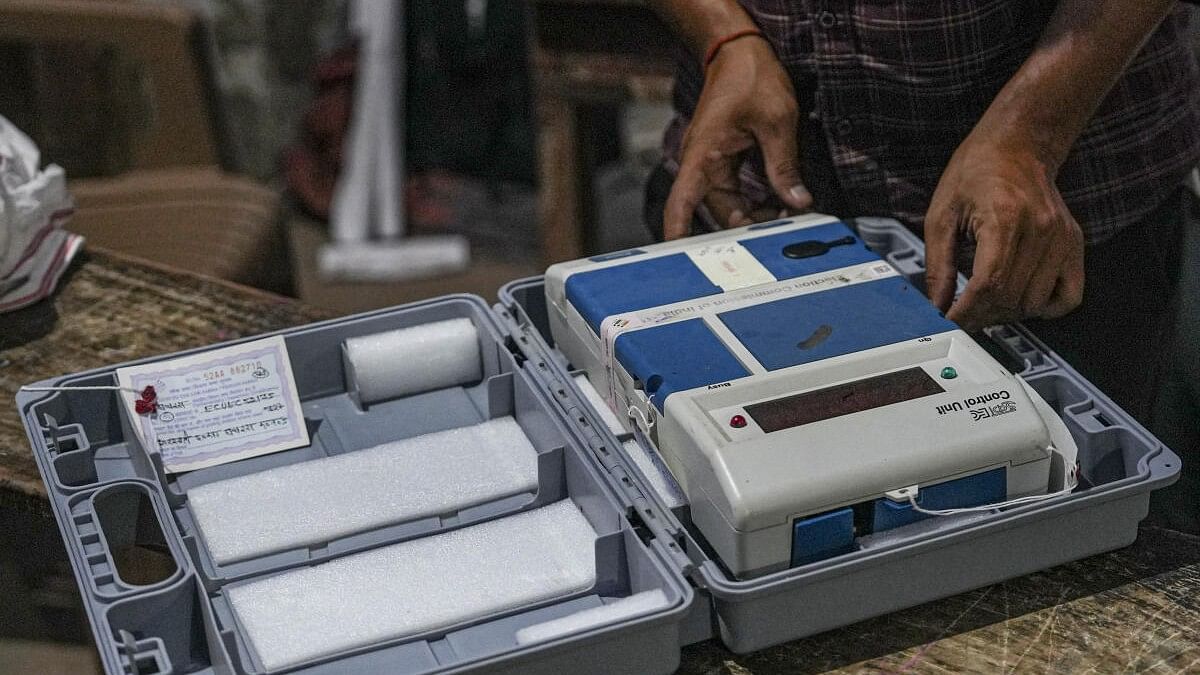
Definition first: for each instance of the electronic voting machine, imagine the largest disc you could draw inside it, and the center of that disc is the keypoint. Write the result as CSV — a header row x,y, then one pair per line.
x,y
800,390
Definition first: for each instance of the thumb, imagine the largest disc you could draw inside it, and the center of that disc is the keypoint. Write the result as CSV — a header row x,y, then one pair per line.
x,y
781,158
941,274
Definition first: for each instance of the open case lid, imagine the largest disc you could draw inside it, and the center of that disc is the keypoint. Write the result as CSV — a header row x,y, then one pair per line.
x,y
188,600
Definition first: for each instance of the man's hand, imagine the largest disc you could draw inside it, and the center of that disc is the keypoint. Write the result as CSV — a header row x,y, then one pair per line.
x,y
1029,253
999,186
747,100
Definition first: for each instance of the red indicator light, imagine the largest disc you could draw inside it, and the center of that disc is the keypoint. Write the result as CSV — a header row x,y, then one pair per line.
x,y
737,421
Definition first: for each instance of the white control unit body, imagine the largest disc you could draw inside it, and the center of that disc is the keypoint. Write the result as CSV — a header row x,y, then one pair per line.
x,y
791,380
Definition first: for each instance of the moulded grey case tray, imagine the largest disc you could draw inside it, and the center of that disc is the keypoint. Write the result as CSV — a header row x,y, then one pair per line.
x,y
112,500
1121,463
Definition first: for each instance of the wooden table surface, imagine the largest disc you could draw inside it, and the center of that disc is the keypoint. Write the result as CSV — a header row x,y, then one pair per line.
x,y
1136,610
109,309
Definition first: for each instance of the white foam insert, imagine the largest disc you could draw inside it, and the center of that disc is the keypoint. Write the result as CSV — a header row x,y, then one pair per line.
x,y
656,472
320,500
589,392
417,586
411,360
619,610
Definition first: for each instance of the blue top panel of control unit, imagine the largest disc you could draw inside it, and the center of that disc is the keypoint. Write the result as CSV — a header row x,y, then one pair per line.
x,y
636,285
769,251
806,328
676,357
641,284
778,334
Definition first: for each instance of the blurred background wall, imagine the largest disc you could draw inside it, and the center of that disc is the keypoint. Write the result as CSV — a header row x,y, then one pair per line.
x,y
531,127
265,53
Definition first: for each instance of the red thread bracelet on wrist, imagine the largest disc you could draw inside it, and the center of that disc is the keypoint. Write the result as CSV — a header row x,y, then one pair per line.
x,y
721,42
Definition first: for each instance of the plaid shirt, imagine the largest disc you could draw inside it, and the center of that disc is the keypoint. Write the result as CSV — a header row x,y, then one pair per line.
x,y
892,88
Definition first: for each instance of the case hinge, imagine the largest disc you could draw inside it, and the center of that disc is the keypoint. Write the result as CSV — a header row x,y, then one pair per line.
x,y
509,318
631,488
606,454
644,519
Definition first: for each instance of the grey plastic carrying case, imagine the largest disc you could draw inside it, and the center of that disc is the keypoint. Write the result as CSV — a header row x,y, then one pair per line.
x,y
112,499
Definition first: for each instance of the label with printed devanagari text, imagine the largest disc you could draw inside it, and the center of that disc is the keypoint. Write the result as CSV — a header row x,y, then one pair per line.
x,y
219,406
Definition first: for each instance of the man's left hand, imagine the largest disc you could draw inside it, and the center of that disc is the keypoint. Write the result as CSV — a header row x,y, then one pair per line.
x,y
1029,249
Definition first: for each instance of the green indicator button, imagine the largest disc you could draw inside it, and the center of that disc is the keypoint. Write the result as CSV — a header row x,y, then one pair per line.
x,y
949,373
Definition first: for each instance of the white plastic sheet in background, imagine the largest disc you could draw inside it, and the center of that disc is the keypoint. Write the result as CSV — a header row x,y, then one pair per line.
x,y
367,219
34,205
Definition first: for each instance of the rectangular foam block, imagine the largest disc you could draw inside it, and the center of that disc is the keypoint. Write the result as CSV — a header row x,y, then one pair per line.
x,y
320,500
656,472
619,610
413,360
417,586
593,397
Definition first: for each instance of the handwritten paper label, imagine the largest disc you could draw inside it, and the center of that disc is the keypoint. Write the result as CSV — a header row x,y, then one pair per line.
x,y
729,265
219,406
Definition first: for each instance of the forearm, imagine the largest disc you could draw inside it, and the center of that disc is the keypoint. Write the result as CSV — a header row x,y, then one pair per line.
x,y
702,22
1080,55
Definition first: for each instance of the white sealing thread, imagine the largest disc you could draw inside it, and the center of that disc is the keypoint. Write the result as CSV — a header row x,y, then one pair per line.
x,y
611,329
145,403
1073,482
88,388
636,413
413,360
1020,501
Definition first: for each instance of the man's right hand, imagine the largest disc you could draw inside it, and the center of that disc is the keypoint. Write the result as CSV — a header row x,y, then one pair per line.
x,y
747,100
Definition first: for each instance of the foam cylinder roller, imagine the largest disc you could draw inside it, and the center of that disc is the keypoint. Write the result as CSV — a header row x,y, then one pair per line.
x,y
413,360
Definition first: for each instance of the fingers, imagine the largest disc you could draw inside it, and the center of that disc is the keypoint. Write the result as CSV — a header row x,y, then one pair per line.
x,y
727,207
765,213
1068,293
1049,262
1067,296
724,199
941,273
1041,285
688,190
1034,258
1025,265
988,297
707,176
1056,283
781,157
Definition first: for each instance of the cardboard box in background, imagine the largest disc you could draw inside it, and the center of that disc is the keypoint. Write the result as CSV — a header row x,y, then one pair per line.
x,y
197,219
